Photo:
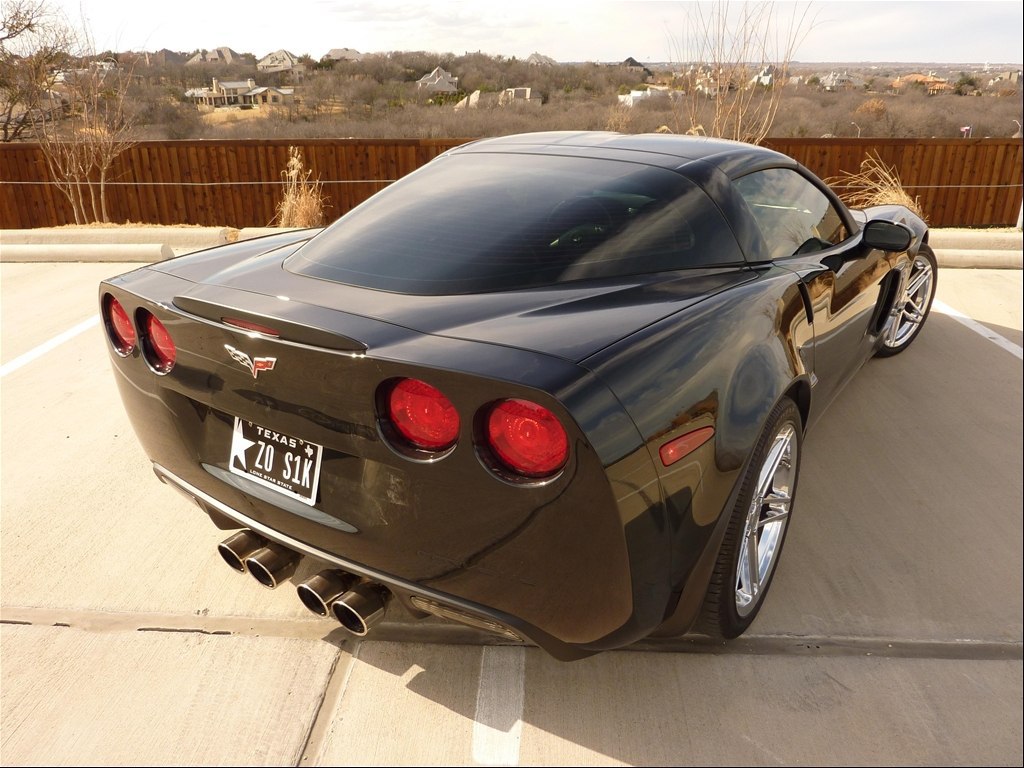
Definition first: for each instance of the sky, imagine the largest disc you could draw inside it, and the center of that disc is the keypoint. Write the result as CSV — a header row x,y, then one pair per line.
x,y
922,31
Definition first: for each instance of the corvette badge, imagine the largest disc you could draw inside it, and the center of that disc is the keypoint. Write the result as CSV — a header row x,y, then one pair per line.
x,y
253,364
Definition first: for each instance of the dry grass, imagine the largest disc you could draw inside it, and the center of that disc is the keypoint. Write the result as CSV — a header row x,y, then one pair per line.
x,y
875,184
230,116
303,202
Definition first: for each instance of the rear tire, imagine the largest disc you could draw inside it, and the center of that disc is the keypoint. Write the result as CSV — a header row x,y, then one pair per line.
x,y
757,527
912,305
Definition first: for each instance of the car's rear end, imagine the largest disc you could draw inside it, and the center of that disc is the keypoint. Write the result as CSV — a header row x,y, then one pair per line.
x,y
452,473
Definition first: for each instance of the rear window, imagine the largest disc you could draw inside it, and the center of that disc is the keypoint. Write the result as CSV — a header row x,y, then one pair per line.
x,y
478,223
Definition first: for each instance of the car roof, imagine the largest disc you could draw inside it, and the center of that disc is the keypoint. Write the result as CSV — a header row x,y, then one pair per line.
x,y
660,149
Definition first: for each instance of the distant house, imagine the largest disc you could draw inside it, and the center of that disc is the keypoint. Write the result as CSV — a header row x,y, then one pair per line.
x,y
162,57
633,98
766,76
239,93
835,81
478,100
517,96
222,55
342,54
539,60
438,81
1010,77
932,85
711,83
508,97
272,96
635,66
280,61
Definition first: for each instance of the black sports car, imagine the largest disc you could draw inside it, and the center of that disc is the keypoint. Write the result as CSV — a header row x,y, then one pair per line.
x,y
553,386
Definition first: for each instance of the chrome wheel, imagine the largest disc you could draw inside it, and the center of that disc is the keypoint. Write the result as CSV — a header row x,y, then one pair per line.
x,y
911,307
766,519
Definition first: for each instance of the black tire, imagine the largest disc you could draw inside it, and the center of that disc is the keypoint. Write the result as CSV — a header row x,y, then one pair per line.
x,y
733,598
912,306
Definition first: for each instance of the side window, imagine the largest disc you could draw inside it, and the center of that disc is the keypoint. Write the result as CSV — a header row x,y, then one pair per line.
x,y
793,215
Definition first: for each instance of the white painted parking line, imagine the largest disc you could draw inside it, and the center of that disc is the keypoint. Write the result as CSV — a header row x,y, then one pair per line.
x,y
42,349
498,722
978,328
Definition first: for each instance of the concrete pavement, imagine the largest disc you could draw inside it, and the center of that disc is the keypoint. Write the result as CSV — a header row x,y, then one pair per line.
x,y
892,633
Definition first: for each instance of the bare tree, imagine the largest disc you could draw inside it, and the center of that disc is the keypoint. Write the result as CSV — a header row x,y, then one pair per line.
x,y
35,43
80,151
737,60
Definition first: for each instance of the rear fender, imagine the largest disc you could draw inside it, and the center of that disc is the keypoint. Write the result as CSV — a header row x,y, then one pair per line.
x,y
725,363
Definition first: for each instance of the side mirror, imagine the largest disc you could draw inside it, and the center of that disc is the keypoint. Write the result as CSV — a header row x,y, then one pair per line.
x,y
887,235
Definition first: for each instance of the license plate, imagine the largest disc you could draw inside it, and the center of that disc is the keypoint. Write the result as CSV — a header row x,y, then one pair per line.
x,y
289,465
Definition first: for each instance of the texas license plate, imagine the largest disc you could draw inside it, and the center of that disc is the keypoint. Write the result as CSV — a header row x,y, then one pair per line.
x,y
289,465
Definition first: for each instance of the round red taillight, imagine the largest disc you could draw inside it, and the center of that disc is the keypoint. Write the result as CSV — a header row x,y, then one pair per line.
x,y
422,415
119,327
158,345
527,438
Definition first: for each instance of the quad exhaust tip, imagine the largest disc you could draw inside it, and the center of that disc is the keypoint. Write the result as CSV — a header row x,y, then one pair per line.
x,y
357,604
268,563
272,564
318,592
238,547
363,606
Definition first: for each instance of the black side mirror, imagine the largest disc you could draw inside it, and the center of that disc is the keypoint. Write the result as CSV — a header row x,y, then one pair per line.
x,y
887,235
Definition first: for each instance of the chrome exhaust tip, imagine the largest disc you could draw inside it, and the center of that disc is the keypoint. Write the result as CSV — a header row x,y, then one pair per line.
x,y
363,606
238,547
318,592
272,564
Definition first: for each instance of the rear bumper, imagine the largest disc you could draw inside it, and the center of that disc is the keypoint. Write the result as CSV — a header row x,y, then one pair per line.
x,y
404,590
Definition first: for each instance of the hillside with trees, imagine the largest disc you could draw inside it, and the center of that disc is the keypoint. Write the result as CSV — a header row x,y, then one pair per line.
x,y
378,96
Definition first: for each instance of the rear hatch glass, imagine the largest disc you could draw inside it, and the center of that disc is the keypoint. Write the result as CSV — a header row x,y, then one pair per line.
x,y
480,222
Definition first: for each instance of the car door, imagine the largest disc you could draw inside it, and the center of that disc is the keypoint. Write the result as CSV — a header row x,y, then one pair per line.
x,y
806,231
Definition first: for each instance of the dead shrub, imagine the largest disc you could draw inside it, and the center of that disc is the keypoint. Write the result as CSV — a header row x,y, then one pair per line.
x,y
873,109
620,119
875,184
303,201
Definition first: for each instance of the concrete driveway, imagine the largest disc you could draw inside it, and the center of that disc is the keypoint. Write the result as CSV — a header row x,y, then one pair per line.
x,y
892,633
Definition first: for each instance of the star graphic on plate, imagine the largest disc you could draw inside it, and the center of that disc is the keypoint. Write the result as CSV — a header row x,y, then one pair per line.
x,y
239,445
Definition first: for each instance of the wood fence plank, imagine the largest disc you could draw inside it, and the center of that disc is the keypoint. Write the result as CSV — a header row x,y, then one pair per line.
x,y
181,212
200,175
934,189
133,172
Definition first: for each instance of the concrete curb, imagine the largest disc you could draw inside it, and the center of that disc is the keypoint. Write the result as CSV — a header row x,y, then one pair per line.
x,y
176,237
976,239
978,248
962,258
145,253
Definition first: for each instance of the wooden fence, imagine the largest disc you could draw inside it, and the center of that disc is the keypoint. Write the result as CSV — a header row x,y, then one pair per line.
x,y
960,182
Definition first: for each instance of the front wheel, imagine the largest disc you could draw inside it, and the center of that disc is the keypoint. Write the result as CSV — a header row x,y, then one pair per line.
x,y
757,529
911,308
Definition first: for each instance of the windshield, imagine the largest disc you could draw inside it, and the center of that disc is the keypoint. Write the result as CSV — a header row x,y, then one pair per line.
x,y
478,223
